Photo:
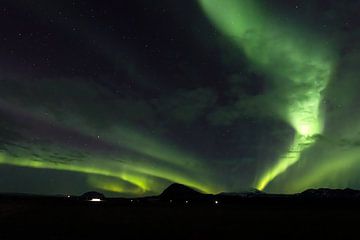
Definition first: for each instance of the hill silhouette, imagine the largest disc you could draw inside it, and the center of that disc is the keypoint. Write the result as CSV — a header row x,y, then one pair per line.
x,y
180,191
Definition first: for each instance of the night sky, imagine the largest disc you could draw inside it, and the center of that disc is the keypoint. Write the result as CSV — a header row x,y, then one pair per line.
x,y
127,97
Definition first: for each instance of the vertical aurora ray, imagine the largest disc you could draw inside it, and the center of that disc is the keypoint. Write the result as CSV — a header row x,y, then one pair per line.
x,y
299,63
293,155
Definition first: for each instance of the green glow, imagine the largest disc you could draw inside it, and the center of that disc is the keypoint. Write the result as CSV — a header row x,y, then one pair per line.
x,y
299,63
152,147
333,174
335,167
128,155
300,143
143,174
141,187
153,158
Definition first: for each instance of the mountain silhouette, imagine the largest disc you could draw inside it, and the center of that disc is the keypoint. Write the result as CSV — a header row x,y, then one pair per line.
x,y
326,193
243,193
179,191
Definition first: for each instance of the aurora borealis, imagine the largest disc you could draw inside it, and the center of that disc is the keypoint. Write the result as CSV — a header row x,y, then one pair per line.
x,y
220,95
249,27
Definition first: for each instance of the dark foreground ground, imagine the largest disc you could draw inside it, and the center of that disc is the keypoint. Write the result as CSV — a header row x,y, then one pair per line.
x,y
61,218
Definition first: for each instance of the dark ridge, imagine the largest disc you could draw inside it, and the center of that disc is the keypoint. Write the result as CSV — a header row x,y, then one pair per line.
x,y
330,193
246,193
179,191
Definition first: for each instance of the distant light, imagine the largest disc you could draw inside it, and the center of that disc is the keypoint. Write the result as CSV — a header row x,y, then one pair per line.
x,y
186,201
68,196
171,201
131,200
95,200
216,202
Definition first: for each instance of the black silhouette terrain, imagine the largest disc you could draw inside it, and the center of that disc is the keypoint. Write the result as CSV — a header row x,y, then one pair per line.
x,y
179,191
181,212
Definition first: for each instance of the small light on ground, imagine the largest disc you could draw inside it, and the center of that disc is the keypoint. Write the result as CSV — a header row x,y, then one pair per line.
x,y
186,201
216,202
95,200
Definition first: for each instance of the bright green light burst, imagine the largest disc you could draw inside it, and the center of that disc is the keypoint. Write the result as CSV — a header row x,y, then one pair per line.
x,y
298,62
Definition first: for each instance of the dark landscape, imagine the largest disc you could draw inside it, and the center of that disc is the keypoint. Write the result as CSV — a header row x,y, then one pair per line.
x,y
182,213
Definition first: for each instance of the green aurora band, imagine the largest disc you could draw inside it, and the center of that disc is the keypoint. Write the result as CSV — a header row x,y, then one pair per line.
x,y
128,160
118,174
137,165
299,63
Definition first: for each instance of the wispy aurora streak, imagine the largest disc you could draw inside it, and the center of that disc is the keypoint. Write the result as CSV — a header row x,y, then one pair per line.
x,y
125,160
121,175
299,63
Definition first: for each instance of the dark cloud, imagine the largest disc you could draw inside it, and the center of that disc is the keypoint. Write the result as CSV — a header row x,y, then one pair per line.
x,y
186,106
